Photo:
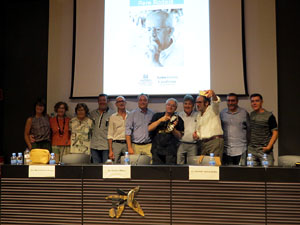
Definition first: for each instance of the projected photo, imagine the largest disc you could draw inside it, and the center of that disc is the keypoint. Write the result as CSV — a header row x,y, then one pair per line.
x,y
156,47
158,37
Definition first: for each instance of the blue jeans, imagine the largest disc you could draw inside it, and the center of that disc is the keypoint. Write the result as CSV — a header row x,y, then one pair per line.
x,y
99,156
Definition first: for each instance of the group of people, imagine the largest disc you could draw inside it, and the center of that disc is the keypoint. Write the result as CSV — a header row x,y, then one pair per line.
x,y
167,137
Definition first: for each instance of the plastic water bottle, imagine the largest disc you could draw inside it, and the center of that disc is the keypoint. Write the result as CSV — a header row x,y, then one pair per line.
x,y
109,162
20,158
250,162
212,161
265,162
27,157
126,159
52,159
13,159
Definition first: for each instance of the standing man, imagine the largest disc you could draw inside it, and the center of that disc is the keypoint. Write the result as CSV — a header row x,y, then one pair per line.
x,y
100,117
166,129
263,131
187,146
116,131
209,130
236,127
137,135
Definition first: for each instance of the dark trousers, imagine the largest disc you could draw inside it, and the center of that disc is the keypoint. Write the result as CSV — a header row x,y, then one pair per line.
x,y
163,159
231,160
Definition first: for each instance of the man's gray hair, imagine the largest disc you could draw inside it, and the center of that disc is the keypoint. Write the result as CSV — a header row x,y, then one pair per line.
x,y
142,94
120,96
189,98
172,99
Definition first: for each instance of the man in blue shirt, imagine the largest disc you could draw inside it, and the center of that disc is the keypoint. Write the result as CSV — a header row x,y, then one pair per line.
x,y
137,135
235,124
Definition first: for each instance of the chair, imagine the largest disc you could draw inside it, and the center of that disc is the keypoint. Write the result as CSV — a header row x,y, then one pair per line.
x,y
75,158
138,160
288,160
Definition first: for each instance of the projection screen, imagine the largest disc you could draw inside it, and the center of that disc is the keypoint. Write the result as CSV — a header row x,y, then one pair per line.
x,y
163,48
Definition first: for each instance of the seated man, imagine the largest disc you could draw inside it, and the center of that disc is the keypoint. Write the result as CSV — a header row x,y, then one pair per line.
x,y
166,128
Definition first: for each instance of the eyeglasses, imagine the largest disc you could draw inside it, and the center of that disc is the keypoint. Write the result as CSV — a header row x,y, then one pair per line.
x,y
171,105
120,101
199,102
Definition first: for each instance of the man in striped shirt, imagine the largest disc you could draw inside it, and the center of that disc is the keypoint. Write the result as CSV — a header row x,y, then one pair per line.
x,y
263,131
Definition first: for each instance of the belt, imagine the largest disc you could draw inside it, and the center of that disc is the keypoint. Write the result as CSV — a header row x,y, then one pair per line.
x,y
120,141
186,142
211,138
143,143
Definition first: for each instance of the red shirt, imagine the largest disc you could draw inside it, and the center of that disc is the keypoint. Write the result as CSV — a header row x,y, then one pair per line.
x,y
62,137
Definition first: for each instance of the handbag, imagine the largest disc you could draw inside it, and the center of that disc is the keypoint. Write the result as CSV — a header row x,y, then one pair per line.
x,y
204,160
39,156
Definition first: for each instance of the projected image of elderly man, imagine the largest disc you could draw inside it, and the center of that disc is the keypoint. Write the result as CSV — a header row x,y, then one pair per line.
x,y
162,49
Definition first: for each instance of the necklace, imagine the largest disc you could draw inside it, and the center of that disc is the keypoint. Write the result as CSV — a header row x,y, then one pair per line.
x,y
61,132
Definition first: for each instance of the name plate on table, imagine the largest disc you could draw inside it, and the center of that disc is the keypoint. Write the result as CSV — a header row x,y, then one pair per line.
x,y
41,171
116,172
204,173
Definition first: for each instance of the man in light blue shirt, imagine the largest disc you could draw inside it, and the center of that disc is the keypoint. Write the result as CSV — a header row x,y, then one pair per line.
x,y
236,126
137,135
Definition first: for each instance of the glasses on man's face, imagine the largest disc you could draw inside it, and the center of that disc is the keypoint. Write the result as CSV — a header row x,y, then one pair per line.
x,y
156,29
120,101
171,105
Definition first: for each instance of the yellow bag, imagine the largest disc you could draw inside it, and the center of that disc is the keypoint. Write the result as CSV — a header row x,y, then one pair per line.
x,y
39,156
204,159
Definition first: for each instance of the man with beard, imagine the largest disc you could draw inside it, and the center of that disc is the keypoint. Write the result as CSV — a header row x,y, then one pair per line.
x,y
100,117
236,126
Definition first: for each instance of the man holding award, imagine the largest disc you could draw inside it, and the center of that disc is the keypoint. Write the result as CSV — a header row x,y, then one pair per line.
x,y
166,128
209,129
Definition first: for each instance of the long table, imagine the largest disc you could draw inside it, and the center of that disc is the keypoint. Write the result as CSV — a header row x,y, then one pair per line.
x,y
77,195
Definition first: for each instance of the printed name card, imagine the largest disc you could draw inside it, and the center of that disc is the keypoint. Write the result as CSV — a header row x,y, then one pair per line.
x,y
204,173
41,171
116,172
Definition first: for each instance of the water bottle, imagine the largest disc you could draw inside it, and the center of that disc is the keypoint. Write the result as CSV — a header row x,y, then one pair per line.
x,y
109,162
212,161
13,159
265,162
20,158
27,157
250,160
52,159
126,159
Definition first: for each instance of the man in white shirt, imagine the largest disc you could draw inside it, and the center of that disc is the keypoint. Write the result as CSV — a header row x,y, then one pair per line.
x,y
187,145
116,131
209,129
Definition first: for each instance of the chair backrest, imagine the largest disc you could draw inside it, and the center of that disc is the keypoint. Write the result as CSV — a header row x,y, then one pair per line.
x,y
138,160
288,160
75,158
